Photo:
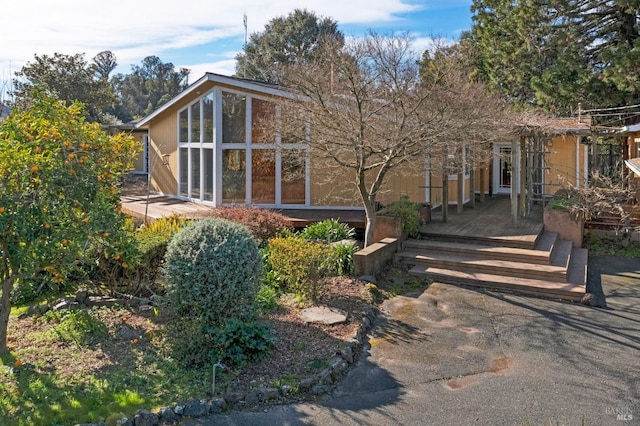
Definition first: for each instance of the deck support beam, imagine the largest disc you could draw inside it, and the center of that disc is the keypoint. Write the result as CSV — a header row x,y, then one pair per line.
x,y
523,176
515,172
445,189
482,189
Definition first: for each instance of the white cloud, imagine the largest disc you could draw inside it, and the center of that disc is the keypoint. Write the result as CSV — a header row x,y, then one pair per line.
x,y
226,67
136,29
201,35
420,44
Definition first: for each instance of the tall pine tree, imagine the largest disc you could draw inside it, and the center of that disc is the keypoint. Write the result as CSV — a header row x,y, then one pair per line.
x,y
558,53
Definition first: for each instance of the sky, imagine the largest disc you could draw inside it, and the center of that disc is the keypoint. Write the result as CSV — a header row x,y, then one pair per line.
x,y
201,35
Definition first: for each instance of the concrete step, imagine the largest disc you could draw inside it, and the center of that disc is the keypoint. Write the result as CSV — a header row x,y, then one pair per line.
x,y
561,253
528,286
577,269
467,263
546,241
516,241
477,250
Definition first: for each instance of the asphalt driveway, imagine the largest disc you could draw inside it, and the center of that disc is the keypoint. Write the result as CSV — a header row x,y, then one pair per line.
x,y
457,356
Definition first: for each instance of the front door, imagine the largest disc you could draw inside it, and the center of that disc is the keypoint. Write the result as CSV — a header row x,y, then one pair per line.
x,y
502,169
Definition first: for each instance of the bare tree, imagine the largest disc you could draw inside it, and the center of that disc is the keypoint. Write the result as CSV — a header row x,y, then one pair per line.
x,y
372,115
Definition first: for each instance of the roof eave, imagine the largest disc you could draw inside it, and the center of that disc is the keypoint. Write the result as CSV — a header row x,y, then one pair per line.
x,y
216,78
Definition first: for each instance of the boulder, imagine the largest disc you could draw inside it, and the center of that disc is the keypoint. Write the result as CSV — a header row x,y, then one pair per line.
x,y
146,418
323,315
195,408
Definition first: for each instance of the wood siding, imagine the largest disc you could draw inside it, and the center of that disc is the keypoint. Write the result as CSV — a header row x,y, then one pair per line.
x,y
336,186
561,162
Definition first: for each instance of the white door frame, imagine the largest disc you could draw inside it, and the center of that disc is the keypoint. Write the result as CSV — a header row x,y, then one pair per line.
x,y
500,150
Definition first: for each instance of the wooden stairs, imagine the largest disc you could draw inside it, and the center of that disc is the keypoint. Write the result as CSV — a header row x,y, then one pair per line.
x,y
544,266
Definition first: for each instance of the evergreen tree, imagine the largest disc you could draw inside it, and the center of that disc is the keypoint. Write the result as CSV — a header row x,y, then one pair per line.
x,y
558,53
147,87
286,40
70,77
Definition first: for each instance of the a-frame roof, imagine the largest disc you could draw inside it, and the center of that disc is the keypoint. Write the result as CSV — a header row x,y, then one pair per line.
x,y
239,83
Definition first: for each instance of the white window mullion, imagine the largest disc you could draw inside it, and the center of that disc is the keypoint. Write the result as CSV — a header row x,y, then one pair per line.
x,y
188,165
247,150
278,179
217,143
307,163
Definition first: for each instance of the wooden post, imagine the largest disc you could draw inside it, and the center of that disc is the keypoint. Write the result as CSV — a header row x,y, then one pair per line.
x,y
460,206
482,188
472,180
514,184
445,189
594,153
523,175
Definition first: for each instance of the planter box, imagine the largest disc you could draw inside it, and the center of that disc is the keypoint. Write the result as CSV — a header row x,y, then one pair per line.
x,y
370,260
567,227
387,227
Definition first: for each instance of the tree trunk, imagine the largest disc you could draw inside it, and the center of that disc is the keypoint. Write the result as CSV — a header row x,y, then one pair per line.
x,y
370,212
5,310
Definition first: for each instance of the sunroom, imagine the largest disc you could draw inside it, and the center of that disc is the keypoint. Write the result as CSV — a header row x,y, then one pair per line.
x,y
216,143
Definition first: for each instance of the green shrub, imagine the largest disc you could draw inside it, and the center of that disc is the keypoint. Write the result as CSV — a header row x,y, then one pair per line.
x,y
328,230
563,204
189,342
343,257
263,224
266,298
213,270
152,241
270,277
300,264
239,343
168,225
408,212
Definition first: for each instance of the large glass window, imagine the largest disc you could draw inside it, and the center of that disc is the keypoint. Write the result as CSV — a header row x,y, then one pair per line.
x,y
208,171
278,163
207,118
184,171
234,176
263,115
293,176
195,173
183,132
195,123
263,176
233,118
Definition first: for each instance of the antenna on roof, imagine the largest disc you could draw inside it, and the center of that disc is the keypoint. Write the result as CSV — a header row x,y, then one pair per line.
x,y
244,67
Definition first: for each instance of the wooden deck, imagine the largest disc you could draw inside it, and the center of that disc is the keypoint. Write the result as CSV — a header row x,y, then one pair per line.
x,y
488,222
135,204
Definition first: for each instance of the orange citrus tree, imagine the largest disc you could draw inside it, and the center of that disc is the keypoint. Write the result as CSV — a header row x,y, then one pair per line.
x,y
59,194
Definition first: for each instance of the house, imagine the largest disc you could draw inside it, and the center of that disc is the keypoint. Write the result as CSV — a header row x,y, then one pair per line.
x,y
207,145
631,148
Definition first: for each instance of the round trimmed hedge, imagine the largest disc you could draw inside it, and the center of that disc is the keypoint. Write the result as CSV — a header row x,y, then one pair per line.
x,y
213,271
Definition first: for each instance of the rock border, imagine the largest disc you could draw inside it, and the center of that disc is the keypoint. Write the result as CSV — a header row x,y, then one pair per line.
x,y
319,384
